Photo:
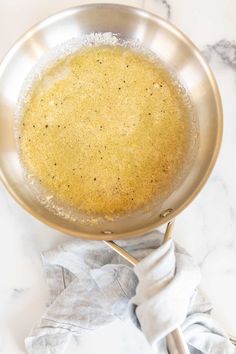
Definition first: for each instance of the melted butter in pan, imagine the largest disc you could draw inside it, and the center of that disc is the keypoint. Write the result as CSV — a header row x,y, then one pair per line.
x,y
106,130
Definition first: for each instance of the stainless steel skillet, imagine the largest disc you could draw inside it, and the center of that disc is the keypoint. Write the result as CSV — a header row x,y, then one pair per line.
x,y
173,47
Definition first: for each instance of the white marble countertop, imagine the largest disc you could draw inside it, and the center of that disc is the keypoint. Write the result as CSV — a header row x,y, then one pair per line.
x,y
207,229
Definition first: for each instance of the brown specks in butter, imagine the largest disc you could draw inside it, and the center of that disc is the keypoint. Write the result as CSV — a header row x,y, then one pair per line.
x,y
106,130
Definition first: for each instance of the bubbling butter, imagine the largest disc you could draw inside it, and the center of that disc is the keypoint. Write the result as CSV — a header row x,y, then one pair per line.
x,y
106,130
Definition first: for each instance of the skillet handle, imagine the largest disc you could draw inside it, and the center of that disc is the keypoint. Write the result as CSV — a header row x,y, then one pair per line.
x,y
176,343
175,340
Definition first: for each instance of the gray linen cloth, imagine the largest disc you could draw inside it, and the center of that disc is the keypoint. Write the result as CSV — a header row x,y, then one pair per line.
x,y
90,286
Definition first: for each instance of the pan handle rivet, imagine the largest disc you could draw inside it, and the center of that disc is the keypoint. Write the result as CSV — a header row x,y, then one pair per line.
x,y
166,212
107,232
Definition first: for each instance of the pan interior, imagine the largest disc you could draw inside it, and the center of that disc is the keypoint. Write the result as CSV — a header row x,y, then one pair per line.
x,y
104,132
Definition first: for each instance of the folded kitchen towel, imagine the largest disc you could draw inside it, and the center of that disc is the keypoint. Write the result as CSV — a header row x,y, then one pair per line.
x,y
90,286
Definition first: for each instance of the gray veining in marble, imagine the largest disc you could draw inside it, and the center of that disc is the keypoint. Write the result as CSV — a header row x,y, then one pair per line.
x,y
168,9
226,51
